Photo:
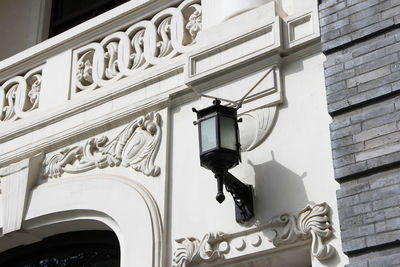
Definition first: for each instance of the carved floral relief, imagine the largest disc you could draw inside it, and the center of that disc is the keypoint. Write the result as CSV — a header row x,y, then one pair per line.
x,y
312,223
144,44
136,147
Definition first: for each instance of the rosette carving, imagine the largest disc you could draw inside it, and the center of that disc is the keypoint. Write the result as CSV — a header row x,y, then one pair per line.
x,y
84,70
194,21
34,82
144,44
136,147
20,95
311,223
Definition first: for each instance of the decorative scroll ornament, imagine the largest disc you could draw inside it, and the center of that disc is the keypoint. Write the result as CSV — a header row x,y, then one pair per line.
x,y
194,251
136,146
144,44
311,223
314,222
20,95
256,127
195,20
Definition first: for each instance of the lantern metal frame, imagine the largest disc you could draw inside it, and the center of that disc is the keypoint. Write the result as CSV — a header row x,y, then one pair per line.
x,y
220,159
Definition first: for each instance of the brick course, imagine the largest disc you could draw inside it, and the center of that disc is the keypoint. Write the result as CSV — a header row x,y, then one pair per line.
x,y
369,210
346,21
366,138
363,72
361,41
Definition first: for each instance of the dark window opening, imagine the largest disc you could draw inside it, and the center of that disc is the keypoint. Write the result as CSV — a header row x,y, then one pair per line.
x,y
75,249
66,14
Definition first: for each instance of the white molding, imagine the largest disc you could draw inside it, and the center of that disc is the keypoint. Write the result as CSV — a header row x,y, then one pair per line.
x,y
312,223
141,241
64,137
301,28
230,50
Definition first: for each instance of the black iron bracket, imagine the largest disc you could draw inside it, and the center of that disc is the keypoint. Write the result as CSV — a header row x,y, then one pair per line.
x,y
242,195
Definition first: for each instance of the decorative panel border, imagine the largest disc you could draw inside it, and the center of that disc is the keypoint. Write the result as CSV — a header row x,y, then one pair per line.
x,y
312,223
301,28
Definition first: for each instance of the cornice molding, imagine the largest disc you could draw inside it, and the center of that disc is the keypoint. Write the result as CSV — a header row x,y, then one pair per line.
x,y
58,140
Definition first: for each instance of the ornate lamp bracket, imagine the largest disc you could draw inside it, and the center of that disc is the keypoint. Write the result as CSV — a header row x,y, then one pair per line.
x,y
242,195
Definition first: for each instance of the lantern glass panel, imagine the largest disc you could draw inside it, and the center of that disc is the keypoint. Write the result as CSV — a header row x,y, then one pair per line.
x,y
228,133
208,134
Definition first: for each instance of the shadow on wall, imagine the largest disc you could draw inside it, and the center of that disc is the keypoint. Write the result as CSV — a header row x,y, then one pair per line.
x,y
277,190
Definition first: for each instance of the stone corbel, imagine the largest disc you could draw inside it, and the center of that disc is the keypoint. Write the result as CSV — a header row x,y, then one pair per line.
x,y
256,126
312,223
16,182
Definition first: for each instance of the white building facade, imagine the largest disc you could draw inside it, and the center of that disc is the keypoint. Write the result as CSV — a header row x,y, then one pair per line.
x,y
97,133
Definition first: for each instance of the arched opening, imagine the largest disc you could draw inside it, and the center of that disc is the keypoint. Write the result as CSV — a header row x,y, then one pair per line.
x,y
81,248
94,202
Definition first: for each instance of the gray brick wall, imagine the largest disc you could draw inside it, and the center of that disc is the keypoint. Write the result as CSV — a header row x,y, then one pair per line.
x,y
369,211
366,138
363,72
380,258
344,21
361,41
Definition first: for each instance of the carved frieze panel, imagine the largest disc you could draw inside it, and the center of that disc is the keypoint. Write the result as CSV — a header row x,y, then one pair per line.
x,y
20,94
144,44
312,223
136,147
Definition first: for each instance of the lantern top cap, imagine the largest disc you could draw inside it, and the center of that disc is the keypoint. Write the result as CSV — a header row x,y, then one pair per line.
x,y
216,108
216,101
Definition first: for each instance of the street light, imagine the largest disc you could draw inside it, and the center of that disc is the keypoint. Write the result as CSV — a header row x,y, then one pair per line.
x,y
220,151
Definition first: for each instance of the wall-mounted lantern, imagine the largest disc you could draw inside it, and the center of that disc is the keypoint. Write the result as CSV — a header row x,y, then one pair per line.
x,y
220,151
